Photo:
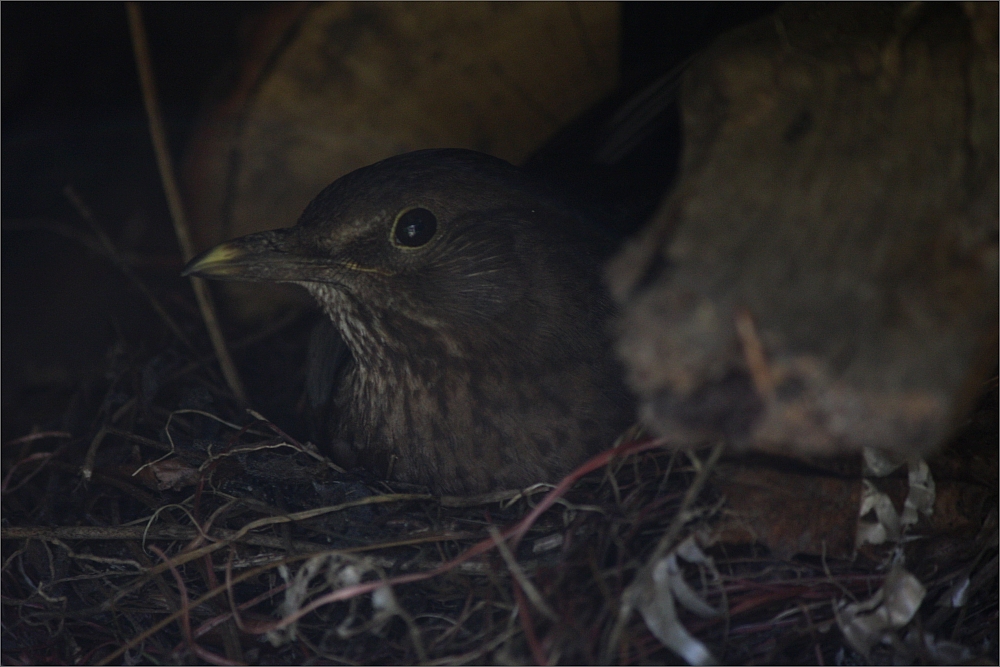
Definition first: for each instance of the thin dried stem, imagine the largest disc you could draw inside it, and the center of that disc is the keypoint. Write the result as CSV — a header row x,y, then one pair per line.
x,y
140,46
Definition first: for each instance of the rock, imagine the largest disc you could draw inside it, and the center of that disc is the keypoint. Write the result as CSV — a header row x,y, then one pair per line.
x,y
824,275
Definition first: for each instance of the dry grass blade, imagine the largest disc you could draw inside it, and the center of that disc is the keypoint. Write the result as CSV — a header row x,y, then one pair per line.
x,y
140,45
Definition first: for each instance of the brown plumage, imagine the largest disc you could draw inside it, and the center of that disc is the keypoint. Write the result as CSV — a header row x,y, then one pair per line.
x,y
473,309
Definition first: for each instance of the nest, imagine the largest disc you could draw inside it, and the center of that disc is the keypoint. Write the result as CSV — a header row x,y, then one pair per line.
x,y
182,528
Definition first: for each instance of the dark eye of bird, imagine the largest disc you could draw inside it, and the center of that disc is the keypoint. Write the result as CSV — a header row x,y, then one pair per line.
x,y
415,227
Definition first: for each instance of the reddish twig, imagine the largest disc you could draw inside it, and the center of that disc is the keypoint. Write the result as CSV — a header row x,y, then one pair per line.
x,y
360,589
43,456
517,531
185,618
529,626
31,437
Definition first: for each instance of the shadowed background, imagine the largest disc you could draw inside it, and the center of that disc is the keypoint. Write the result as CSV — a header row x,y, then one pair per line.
x,y
72,116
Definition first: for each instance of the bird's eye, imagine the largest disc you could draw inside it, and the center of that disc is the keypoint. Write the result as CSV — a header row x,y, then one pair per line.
x,y
414,228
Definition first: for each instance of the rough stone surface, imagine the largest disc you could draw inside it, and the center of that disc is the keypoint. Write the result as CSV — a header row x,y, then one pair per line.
x,y
824,275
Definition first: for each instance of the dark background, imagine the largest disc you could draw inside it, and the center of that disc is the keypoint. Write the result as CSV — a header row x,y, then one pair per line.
x,y
72,115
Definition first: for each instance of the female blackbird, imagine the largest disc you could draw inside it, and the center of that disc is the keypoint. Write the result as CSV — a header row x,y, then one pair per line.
x,y
472,305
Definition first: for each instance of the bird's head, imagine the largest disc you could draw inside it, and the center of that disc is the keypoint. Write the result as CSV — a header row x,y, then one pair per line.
x,y
436,236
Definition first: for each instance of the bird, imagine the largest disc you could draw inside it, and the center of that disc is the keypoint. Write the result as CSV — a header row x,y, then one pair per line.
x,y
471,301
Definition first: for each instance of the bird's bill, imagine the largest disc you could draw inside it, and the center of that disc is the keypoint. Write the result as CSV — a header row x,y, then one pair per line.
x,y
272,256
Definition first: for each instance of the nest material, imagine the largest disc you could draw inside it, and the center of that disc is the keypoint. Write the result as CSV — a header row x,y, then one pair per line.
x,y
173,533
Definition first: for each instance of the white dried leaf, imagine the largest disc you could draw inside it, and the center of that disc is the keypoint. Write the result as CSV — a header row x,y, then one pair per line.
x,y
942,651
656,603
870,532
547,543
877,464
348,576
864,624
958,595
922,493
888,519
383,599
689,599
